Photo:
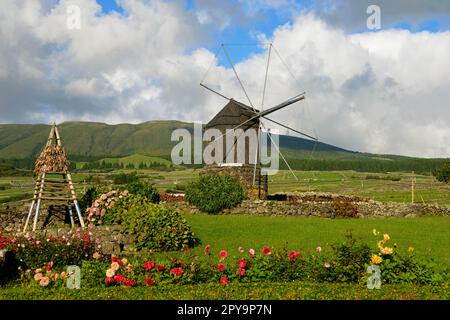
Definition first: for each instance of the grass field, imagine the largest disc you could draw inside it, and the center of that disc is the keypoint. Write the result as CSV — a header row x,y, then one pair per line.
x,y
429,236
234,291
427,189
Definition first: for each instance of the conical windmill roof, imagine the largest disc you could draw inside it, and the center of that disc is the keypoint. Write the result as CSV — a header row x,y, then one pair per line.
x,y
53,157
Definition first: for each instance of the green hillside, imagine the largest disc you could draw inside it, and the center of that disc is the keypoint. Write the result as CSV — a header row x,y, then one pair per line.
x,y
149,142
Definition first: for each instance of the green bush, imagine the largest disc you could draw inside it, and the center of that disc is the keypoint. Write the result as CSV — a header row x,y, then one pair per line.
x,y
158,228
125,178
213,193
443,174
93,273
351,257
144,189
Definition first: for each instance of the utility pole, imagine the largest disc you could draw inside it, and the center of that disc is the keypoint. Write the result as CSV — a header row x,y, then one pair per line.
x,y
413,181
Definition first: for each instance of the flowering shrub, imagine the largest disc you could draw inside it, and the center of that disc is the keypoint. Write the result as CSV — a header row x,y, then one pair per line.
x,y
104,209
397,267
65,250
157,228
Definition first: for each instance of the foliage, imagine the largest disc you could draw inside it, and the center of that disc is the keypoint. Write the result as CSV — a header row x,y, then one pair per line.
x,y
213,193
144,189
125,178
351,257
88,198
67,249
443,174
157,227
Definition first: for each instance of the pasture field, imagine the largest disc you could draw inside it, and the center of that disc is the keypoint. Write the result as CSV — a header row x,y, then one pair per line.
x,y
374,186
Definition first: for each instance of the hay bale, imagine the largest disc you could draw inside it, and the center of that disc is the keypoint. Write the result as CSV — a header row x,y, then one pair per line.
x,y
52,159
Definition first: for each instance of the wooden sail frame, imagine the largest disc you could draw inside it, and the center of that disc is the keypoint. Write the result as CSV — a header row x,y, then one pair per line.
x,y
53,190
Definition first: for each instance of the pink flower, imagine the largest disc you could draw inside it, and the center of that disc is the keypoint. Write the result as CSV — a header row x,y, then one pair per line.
x,y
130,283
293,255
251,253
318,249
176,271
103,197
149,281
103,212
160,267
44,281
109,281
242,263
148,265
224,280
327,265
207,249
220,267
266,251
223,254
125,192
49,266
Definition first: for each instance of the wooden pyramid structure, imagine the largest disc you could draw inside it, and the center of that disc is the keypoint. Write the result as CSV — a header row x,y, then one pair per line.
x,y
57,187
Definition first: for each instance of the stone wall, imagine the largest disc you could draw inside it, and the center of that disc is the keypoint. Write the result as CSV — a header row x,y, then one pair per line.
x,y
329,206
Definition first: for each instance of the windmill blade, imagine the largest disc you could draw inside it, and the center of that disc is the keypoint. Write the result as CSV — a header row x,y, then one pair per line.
x,y
282,105
237,76
214,91
281,154
299,132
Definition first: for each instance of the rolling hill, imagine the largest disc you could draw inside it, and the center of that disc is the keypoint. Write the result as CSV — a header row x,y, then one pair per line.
x,y
96,141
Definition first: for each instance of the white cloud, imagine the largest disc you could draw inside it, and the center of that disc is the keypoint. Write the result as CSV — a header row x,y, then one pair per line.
x,y
383,92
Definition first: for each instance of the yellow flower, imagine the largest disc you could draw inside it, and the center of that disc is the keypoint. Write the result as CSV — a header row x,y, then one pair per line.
x,y
376,259
387,250
124,261
410,249
375,232
386,237
379,245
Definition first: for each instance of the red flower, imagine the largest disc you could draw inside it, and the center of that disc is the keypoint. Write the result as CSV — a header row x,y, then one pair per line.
x,y
176,271
293,255
266,251
149,281
220,267
130,282
207,248
242,263
224,280
241,272
160,267
223,254
2,246
148,265
49,266
119,278
109,281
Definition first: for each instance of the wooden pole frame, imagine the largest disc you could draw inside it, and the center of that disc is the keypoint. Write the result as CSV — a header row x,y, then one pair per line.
x,y
40,194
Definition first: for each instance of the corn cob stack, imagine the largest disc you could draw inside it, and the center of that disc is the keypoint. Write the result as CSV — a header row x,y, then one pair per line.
x,y
52,159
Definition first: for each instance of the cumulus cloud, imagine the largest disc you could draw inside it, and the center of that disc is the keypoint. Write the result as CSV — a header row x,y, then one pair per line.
x,y
351,15
384,92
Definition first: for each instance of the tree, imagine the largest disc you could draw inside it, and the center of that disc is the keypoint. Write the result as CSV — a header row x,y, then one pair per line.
x,y
443,174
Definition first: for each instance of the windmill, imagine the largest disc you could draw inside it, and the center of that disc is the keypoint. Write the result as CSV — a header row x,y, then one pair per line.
x,y
250,116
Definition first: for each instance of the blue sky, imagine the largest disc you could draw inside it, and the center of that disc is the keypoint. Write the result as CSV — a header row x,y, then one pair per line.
x,y
266,19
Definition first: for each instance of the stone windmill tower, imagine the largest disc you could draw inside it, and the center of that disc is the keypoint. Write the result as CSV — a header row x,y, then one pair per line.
x,y
54,183
238,115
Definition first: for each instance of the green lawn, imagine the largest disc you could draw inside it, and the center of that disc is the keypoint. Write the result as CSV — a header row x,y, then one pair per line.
x,y
429,236
240,291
